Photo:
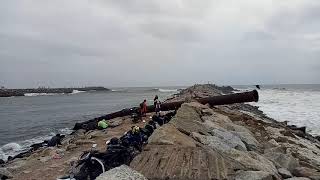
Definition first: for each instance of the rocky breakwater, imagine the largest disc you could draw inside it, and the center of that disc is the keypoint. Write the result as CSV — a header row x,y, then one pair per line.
x,y
201,142
22,92
221,142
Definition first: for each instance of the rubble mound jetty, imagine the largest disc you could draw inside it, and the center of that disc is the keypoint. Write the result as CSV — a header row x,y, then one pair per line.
x,y
22,92
200,142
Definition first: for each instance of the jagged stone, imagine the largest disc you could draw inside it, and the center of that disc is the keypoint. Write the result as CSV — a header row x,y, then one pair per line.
x,y
281,158
251,160
96,133
169,135
4,173
306,172
121,173
82,142
187,120
71,147
284,173
224,140
115,122
247,138
253,175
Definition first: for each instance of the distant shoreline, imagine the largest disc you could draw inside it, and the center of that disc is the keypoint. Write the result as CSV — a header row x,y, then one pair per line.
x,y
22,92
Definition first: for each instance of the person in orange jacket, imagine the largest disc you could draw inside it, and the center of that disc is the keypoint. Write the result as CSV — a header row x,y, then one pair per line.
x,y
143,108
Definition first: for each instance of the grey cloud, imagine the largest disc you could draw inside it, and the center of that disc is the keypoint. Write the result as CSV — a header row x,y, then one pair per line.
x,y
114,43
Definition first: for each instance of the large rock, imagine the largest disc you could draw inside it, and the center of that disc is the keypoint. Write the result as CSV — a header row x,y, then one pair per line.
x,y
217,120
247,138
115,122
187,120
306,172
251,160
284,173
121,173
223,140
253,175
96,133
4,173
169,135
281,158
82,142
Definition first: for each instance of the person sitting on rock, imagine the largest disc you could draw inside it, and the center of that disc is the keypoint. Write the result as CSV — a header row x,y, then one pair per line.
x,y
55,140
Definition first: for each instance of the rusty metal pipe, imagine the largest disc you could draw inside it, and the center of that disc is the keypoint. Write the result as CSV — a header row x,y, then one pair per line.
x,y
251,96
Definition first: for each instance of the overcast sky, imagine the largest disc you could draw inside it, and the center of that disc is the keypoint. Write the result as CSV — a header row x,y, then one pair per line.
x,y
62,43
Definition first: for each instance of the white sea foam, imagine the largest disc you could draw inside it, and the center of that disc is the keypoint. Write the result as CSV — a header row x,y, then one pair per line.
x,y
12,149
298,107
41,94
168,90
76,92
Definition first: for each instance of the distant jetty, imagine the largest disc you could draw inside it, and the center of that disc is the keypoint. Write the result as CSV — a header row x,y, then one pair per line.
x,y
22,92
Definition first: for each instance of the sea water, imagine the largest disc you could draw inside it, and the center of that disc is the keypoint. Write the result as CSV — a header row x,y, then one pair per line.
x,y
297,104
32,119
37,117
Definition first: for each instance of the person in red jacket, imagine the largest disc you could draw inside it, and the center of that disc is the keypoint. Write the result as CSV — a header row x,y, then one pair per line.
x,y
143,108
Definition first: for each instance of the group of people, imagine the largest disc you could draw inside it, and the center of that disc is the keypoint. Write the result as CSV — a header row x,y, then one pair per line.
x,y
122,150
156,103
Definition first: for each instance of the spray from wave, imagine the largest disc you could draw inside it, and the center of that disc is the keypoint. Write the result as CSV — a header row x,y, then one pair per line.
x,y
168,90
41,94
77,91
14,148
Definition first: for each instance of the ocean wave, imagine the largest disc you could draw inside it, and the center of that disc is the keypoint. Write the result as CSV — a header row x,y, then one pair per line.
x,y
41,94
14,148
76,91
168,90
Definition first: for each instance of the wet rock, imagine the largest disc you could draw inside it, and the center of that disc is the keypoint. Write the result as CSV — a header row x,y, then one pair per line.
x,y
2,161
121,173
5,174
284,173
306,172
169,135
253,175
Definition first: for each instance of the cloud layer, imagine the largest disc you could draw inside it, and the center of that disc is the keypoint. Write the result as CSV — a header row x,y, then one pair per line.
x,y
158,42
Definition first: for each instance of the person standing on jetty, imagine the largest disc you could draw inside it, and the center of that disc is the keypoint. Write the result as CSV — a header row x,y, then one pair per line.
x,y
157,104
143,108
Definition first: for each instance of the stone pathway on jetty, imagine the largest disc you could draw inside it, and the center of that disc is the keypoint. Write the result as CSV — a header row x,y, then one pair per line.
x,y
201,142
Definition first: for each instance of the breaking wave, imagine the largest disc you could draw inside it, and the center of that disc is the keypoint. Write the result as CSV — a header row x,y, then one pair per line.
x,y
168,90
14,148
41,94
77,91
